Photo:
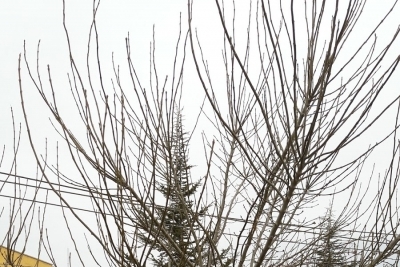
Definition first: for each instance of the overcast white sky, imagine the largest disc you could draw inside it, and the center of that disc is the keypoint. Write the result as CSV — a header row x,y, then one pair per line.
x,y
36,20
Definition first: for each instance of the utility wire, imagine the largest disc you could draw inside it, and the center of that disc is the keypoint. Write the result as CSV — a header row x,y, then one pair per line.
x,y
101,194
295,227
297,241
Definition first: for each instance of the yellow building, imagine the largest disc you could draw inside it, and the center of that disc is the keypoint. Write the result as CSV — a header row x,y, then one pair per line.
x,y
19,259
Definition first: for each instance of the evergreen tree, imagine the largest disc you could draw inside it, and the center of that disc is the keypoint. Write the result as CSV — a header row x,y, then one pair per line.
x,y
178,190
179,216
330,251
179,221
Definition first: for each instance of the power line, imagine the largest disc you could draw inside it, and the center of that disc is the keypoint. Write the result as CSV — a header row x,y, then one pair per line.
x,y
100,194
227,234
295,228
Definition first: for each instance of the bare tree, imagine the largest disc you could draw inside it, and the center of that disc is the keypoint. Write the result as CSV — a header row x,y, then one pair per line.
x,y
296,99
294,106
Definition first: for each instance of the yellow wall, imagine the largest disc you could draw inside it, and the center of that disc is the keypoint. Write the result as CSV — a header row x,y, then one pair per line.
x,y
20,260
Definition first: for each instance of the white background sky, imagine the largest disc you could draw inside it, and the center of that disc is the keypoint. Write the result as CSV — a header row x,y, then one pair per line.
x,y
42,20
